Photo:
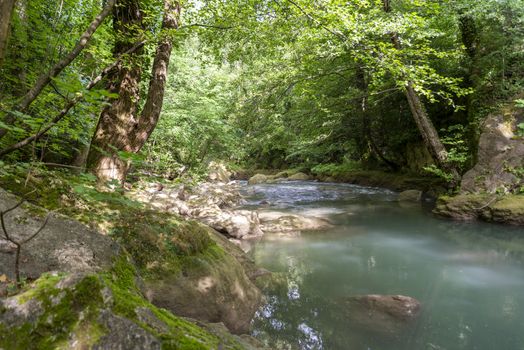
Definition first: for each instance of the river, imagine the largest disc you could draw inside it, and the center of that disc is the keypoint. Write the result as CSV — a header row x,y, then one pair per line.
x,y
469,277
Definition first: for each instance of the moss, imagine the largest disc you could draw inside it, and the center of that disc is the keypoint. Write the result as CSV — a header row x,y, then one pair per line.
x,y
60,316
513,203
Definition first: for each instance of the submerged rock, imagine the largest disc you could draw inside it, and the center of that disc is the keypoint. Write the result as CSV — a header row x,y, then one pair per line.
x,y
380,313
410,196
289,224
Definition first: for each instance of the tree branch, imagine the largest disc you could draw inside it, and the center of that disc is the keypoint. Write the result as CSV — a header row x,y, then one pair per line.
x,y
46,78
69,105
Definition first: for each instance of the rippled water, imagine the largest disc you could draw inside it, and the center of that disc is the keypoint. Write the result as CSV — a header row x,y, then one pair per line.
x,y
469,277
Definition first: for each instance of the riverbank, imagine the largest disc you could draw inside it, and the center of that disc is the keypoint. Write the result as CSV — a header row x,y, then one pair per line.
x,y
126,272
374,178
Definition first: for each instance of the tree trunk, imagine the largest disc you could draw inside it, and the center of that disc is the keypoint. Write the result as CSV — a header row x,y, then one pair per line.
x,y
424,124
119,127
157,85
44,79
6,11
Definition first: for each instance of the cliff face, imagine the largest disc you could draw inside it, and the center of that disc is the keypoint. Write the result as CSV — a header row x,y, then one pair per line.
x,y
500,165
493,190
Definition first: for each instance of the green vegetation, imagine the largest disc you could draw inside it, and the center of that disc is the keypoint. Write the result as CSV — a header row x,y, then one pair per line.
x,y
287,84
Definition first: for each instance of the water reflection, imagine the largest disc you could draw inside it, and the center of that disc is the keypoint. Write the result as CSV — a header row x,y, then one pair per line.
x,y
468,276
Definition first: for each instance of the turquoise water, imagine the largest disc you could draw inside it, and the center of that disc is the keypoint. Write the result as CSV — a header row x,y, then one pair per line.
x,y
469,277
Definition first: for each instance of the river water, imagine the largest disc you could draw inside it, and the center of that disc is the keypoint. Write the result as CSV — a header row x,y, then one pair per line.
x,y
469,277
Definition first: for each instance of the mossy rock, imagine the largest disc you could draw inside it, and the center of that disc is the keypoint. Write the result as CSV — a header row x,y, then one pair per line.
x,y
259,179
508,209
186,271
98,311
299,177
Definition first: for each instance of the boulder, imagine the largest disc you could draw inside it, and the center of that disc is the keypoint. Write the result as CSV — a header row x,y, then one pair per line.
x,y
289,224
237,224
212,286
500,156
508,209
299,177
217,172
410,196
258,179
63,244
380,313
98,311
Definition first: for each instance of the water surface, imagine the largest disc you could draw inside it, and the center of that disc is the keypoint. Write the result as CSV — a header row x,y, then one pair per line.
x,y
469,277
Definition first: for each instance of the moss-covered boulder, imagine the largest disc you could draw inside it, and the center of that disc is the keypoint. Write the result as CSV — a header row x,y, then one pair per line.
x,y
186,271
258,179
299,177
508,209
98,311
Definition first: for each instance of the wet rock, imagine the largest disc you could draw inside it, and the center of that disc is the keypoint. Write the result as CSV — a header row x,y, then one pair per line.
x,y
410,196
299,177
381,313
286,223
258,179
238,224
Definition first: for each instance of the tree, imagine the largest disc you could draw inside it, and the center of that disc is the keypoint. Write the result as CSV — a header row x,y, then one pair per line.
x,y
6,11
120,127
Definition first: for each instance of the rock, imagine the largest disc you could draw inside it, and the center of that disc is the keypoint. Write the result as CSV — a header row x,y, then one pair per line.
x,y
63,244
218,172
286,223
380,313
258,179
299,177
186,271
463,207
81,311
508,209
410,196
500,156
213,290
237,224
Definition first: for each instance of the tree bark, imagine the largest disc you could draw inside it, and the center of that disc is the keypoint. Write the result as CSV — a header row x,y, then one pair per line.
x,y
119,127
44,79
6,11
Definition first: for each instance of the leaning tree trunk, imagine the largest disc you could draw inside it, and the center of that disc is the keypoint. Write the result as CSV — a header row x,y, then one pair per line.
x,y
424,124
6,11
120,128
